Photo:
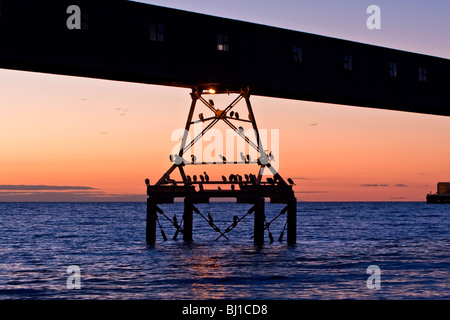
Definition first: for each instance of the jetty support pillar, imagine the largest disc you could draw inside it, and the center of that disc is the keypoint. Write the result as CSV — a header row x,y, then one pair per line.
x,y
188,219
151,222
259,222
292,221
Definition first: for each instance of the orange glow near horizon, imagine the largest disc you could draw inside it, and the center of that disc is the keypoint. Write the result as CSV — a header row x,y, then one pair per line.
x,y
69,131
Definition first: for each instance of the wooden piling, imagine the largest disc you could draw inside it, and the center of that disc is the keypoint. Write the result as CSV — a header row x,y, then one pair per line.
x,y
188,219
292,221
258,238
151,222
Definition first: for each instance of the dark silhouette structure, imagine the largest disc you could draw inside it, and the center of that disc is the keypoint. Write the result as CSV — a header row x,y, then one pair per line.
x,y
442,195
129,41
252,191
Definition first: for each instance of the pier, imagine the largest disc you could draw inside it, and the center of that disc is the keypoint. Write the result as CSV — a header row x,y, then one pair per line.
x,y
442,195
249,190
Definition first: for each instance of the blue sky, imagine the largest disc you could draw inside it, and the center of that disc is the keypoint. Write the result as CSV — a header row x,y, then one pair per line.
x,y
419,26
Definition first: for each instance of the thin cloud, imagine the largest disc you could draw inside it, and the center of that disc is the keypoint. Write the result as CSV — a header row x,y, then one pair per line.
x,y
69,196
382,185
307,192
22,187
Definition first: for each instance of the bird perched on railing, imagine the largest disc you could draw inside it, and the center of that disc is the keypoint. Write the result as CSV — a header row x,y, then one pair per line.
x,y
246,177
202,178
194,177
291,181
243,157
223,158
193,159
147,182
206,177
224,179
200,116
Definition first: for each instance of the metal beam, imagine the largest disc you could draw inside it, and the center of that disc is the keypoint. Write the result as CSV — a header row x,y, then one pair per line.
x,y
128,41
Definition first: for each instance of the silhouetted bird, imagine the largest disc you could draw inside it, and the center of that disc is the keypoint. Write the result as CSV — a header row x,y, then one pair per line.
x,y
246,177
243,157
270,181
147,181
223,158
248,158
211,102
231,113
241,129
271,156
219,188
236,115
290,181
202,178
194,178
235,221
193,159
210,218
188,178
178,159
206,177
224,178
232,187
200,116
239,177
252,179
232,177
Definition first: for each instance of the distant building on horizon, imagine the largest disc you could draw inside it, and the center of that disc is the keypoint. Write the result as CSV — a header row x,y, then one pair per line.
x,y
442,195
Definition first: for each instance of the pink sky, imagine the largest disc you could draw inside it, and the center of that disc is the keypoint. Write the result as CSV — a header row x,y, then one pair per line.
x,y
68,131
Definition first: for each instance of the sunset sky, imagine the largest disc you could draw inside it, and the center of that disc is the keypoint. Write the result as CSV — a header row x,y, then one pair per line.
x,y
77,139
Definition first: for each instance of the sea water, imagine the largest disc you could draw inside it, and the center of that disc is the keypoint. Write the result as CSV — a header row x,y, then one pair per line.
x,y
336,244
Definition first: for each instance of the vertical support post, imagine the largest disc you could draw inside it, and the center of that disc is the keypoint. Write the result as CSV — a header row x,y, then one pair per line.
x,y
151,222
188,219
292,222
258,238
